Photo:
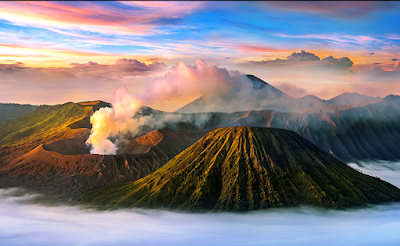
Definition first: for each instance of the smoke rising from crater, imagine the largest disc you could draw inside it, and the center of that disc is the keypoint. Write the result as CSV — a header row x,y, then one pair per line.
x,y
180,84
107,122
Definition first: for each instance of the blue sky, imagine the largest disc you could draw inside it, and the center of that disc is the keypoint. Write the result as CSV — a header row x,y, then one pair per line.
x,y
54,35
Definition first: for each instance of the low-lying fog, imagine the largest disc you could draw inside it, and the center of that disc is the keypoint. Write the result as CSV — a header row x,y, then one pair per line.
x,y
32,224
385,170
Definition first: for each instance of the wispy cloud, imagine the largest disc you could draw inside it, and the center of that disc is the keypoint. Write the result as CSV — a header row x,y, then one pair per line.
x,y
393,36
336,38
7,50
106,18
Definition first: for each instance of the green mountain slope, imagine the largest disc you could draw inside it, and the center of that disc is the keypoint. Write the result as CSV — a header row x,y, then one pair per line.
x,y
45,124
10,111
243,169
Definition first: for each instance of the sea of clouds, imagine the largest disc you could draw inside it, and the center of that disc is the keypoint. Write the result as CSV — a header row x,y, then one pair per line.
x,y
23,223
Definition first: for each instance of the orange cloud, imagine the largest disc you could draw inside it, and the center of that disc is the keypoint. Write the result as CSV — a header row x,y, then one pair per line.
x,y
52,5
23,50
45,16
39,56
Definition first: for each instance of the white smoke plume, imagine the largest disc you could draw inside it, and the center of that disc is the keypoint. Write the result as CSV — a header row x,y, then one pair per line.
x,y
182,83
109,122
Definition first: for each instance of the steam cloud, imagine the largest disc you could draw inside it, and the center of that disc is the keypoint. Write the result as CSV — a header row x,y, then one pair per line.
x,y
181,83
108,122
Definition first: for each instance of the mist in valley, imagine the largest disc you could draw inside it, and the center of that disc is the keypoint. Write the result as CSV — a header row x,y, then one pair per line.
x,y
24,223
385,170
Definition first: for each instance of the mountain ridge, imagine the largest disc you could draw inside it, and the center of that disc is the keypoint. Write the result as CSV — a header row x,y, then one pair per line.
x,y
263,96
348,97
9,111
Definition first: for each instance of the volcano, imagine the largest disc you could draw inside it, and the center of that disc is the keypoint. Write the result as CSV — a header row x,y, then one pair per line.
x,y
247,168
252,94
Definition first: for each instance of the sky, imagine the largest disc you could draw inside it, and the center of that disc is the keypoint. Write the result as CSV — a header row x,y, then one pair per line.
x,y
54,52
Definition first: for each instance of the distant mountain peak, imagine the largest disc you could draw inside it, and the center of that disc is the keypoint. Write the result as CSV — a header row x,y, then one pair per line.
x,y
241,98
257,82
350,97
310,96
392,99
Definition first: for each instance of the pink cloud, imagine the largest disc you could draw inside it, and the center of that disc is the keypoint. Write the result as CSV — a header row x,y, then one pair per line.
x,y
396,66
173,8
93,17
54,6
257,48
153,4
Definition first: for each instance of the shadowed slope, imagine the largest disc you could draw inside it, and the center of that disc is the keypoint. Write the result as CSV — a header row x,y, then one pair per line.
x,y
245,168
9,111
351,133
347,97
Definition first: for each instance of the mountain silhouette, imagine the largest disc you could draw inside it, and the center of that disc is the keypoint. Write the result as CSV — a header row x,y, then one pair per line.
x,y
255,94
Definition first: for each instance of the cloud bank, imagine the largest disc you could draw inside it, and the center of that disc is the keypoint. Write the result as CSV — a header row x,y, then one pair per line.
x,y
27,224
304,73
122,68
79,82
307,59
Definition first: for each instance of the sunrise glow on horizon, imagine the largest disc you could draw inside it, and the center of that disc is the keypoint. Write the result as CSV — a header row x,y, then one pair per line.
x,y
54,52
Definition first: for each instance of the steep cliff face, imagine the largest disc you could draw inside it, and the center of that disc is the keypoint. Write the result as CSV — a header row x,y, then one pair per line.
x,y
243,169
